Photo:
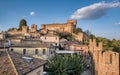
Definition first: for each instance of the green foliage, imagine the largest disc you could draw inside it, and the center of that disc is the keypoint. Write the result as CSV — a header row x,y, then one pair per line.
x,y
109,45
67,65
92,36
77,30
67,36
23,22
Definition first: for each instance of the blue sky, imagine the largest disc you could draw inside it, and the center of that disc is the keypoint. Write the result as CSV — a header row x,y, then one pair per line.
x,y
101,17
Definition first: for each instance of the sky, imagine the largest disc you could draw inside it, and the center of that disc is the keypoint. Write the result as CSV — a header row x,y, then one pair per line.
x,y
100,17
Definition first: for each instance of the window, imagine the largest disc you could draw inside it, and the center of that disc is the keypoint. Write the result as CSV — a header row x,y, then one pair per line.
x,y
11,50
51,52
24,51
45,37
44,52
36,51
110,58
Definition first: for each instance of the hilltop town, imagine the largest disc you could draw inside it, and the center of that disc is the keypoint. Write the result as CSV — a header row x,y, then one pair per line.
x,y
26,50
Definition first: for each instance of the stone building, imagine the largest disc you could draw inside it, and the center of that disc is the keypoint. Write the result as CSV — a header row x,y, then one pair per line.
x,y
15,64
53,39
65,27
39,50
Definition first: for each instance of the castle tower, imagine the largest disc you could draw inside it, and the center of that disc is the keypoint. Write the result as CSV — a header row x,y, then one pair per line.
x,y
74,22
94,46
33,28
25,29
42,26
95,49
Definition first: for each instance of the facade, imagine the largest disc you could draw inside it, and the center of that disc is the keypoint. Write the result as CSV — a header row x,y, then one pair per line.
x,y
66,27
54,39
80,49
43,50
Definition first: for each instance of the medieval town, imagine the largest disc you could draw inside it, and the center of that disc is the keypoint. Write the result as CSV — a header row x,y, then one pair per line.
x,y
59,37
30,51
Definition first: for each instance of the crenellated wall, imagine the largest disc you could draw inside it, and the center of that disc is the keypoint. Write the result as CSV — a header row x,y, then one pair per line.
x,y
105,63
109,63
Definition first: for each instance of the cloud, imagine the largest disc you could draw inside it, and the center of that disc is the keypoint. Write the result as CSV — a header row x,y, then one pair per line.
x,y
94,11
118,23
32,13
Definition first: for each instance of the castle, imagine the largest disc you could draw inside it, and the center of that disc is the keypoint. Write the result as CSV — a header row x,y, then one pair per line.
x,y
49,28
66,27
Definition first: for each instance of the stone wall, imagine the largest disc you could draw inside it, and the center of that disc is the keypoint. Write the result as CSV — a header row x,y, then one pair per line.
x,y
105,63
109,63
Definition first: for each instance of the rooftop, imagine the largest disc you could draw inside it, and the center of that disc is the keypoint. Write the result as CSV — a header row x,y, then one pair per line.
x,y
22,66
12,63
33,45
6,67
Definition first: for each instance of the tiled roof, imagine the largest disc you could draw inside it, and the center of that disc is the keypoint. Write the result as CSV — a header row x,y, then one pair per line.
x,y
24,67
12,63
6,67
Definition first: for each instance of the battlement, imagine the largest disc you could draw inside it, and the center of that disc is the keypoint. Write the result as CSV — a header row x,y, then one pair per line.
x,y
25,29
33,28
74,22
93,45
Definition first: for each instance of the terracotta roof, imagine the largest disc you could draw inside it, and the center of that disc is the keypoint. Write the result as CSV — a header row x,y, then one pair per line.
x,y
6,67
12,63
24,67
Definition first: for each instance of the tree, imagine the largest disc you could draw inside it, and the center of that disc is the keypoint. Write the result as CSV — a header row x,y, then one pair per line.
x,y
67,36
77,30
23,22
66,65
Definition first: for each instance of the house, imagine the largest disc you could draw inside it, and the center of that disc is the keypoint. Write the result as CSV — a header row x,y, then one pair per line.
x,y
54,39
63,42
79,48
15,64
38,50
